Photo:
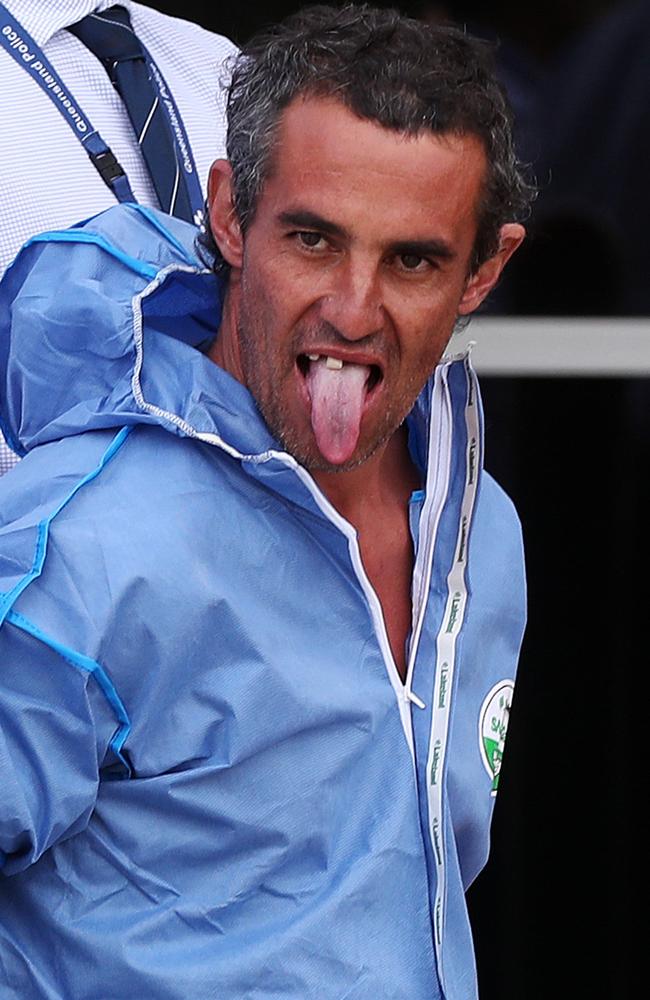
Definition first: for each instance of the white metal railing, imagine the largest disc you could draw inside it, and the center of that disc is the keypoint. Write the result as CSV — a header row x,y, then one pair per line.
x,y
557,346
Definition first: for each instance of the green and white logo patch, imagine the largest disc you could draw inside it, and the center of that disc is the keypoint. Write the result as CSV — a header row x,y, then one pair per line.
x,y
493,726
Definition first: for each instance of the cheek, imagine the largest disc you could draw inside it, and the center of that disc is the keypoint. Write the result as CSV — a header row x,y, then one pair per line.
x,y
276,294
258,312
425,335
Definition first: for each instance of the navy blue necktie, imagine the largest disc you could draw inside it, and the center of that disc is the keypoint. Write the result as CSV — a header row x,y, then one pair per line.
x,y
110,36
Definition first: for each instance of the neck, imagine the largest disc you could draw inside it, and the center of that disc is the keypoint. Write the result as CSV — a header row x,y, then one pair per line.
x,y
225,348
374,500
385,480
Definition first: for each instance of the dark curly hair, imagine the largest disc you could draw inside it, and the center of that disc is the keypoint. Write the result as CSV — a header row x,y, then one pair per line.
x,y
404,74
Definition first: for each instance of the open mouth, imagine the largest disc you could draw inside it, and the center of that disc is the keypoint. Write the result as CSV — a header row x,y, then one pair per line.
x,y
305,361
338,396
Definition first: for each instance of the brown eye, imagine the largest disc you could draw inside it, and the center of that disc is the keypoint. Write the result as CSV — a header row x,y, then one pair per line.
x,y
309,239
411,261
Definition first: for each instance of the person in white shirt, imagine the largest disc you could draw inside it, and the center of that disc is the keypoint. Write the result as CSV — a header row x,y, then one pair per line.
x,y
47,180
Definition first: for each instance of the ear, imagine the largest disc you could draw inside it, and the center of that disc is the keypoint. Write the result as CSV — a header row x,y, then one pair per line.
x,y
481,283
223,217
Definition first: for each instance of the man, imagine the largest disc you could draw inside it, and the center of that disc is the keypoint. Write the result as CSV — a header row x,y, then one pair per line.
x,y
49,68
260,630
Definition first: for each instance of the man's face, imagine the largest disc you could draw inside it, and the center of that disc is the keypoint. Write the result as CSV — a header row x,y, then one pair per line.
x,y
346,286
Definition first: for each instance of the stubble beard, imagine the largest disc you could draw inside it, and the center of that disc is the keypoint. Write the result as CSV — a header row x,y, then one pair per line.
x,y
263,383
269,404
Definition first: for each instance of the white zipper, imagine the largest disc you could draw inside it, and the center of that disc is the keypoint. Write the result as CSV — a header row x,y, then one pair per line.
x,y
439,451
374,603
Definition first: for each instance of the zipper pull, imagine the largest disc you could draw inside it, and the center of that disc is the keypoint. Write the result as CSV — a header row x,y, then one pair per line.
x,y
411,696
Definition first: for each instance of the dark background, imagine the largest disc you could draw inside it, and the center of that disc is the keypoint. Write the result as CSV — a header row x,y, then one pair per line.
x,y
552,912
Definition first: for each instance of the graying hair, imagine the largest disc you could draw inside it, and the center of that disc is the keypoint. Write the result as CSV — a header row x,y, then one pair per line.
x,y
404,74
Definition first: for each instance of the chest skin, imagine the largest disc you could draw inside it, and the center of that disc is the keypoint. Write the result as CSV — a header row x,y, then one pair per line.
x,y
374,498
387,555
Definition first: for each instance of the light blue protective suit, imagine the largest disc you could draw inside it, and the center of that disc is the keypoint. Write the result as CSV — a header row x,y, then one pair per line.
x,y
213,783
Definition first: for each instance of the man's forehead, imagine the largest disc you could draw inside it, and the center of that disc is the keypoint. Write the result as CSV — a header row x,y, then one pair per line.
x,y
323,122
327,158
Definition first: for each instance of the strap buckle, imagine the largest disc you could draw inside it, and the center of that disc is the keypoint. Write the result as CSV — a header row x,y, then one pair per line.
x,y
107,165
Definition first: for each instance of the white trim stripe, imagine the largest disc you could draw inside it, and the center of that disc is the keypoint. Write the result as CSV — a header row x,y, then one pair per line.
x,y
152,111
452,622
437,487
174,195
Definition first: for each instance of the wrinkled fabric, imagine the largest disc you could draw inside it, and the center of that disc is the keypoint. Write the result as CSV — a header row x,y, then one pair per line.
x,y
213,782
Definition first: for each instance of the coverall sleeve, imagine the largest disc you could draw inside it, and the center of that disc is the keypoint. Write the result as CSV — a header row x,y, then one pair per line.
x,y
55,728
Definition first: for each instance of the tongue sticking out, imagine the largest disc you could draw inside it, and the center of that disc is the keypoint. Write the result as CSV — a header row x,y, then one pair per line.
x,y
337,398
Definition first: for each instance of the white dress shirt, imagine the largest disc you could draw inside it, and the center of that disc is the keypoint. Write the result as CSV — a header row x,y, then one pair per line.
x,y
47,180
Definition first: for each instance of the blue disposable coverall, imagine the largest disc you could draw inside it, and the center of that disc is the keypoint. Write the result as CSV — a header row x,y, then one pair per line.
x,y
213,783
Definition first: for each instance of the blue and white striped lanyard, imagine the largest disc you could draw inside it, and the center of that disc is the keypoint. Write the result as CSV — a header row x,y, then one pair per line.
x,y
28,54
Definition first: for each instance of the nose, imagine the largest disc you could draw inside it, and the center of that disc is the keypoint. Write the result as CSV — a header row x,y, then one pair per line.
x,y
353,301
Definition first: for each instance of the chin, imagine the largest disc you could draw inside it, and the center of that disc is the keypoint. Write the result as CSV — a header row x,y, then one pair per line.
x,y
320,464
311,458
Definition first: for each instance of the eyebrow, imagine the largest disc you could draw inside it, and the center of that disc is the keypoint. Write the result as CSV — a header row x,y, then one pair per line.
x,y
424,248
309,220
303,219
